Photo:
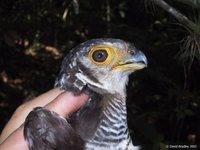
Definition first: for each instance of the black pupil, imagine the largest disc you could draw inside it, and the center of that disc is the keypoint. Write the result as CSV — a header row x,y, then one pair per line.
x,y
100,55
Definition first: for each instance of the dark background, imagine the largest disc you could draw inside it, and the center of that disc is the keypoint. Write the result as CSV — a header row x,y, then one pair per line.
x,y
163,99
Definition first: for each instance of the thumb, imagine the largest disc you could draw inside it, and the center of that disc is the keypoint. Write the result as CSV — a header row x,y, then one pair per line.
x,y
67,103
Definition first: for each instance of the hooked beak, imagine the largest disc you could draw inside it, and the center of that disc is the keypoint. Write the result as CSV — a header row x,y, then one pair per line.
x,y
132,62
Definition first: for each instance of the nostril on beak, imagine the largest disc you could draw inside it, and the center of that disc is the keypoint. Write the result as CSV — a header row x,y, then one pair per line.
x,y
132,49
132,52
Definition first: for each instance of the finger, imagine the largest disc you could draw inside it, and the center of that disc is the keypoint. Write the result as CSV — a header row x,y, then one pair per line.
x,y
67,103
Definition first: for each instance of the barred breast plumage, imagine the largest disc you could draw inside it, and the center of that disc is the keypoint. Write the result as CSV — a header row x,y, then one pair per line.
x,y
101,68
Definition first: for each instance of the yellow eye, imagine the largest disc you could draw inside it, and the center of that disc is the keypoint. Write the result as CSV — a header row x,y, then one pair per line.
x,y
101,55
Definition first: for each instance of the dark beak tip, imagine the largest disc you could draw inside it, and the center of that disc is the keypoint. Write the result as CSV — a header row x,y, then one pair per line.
x,y
145,63
141,58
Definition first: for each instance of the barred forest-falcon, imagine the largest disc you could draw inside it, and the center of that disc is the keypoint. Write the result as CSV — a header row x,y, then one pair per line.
x,y
101,68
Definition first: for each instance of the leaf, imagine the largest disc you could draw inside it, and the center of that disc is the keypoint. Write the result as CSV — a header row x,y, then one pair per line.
x,y
65,14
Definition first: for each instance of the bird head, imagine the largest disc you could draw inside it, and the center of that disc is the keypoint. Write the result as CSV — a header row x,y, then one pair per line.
x,y
101,65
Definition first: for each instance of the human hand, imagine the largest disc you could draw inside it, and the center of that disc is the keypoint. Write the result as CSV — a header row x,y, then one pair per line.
x,y
64,104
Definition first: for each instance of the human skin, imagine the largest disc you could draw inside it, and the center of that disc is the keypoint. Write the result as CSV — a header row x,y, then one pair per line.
x,y
62,102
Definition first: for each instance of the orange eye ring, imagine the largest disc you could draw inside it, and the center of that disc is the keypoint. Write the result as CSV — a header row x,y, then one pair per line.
x,y
100,55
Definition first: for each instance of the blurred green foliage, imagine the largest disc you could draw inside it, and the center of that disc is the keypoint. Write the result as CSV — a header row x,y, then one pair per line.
x,y
163,100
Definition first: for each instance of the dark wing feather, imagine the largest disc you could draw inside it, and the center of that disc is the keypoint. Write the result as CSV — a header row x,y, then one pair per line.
x,y
46,130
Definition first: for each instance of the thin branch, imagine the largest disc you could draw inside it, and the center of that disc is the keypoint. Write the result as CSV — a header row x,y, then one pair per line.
x,y
75,5
178,15
193,3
